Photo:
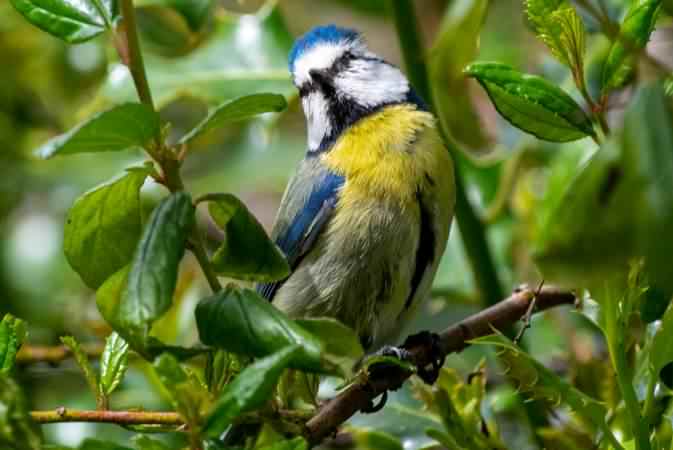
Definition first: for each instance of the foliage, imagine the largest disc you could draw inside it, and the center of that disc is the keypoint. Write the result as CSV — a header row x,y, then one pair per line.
x,y
201,97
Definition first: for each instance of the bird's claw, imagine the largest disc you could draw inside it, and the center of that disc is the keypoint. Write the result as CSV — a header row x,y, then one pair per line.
x,y
429,340
372,408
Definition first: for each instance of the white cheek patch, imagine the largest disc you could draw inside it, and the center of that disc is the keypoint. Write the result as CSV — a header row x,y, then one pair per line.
x,y
317,118
372,83
318,57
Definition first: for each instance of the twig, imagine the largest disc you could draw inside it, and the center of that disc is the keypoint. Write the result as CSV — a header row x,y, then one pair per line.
x,y
131,54
529,313
30,354
118,417
452,340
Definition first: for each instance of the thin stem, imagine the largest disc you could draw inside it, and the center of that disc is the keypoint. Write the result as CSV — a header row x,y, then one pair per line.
x,y
135,57
648,407
198,249
30,354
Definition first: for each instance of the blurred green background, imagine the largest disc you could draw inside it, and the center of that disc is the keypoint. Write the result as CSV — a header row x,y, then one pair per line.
x,y
195,61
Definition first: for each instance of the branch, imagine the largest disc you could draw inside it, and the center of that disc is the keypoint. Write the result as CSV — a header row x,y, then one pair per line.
x,y
117,417
30,354
452,340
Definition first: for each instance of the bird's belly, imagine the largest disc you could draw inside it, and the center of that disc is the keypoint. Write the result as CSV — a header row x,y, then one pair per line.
x,y
360,270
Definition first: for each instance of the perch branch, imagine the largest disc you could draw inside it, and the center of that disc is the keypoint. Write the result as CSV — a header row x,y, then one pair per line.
x,y
452,340
118,417
30,354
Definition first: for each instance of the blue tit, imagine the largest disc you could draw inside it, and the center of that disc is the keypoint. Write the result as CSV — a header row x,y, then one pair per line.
x,y
365,219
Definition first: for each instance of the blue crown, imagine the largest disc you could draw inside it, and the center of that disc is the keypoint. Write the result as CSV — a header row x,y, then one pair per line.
x,y
318,35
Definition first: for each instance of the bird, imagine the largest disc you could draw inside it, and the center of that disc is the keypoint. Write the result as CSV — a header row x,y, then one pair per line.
x,y
365,218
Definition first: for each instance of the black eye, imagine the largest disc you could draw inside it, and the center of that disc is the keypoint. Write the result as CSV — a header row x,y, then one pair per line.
x,y
318,76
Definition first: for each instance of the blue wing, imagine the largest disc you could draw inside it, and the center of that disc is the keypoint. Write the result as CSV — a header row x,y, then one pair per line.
x,y
307,205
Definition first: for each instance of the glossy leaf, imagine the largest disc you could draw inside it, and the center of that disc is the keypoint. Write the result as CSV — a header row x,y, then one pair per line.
x,y
113,363
71,20
246,251
531,103
337,338
541,383
235,110
83,362
17,430
633,35
127,126
154,269
12,334
259,327
558,25
103,227
251,389
446,60
256,49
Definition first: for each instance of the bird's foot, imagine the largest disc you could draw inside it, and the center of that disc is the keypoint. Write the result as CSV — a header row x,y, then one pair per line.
x,y
426,339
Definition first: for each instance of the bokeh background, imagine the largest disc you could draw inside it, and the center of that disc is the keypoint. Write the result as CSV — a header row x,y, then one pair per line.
x,y
46,87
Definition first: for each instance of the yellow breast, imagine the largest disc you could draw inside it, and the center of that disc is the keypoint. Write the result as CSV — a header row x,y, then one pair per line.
x,y
388,154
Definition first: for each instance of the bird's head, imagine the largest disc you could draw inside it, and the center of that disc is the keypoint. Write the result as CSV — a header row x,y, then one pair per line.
x,y
340,81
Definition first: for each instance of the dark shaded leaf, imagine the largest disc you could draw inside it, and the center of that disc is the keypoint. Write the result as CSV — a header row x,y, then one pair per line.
x,y
531,103
246,252
235,110
72,21
103,227
298,443
154,269
633,35
113,363
17,430
127,126
251,389
12,334
259,327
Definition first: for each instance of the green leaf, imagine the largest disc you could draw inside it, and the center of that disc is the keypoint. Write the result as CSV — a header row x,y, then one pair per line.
x,y
72,21
256,48
298,443
127,126
251,389
236,110
337,338
83,362
446,60
376,440
103,227
633,35
96,444
190,397
154,269
559,26
143,442
113,363
661,352
12,334
259,327
541,383
246,252
531,103
17,430
583,215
